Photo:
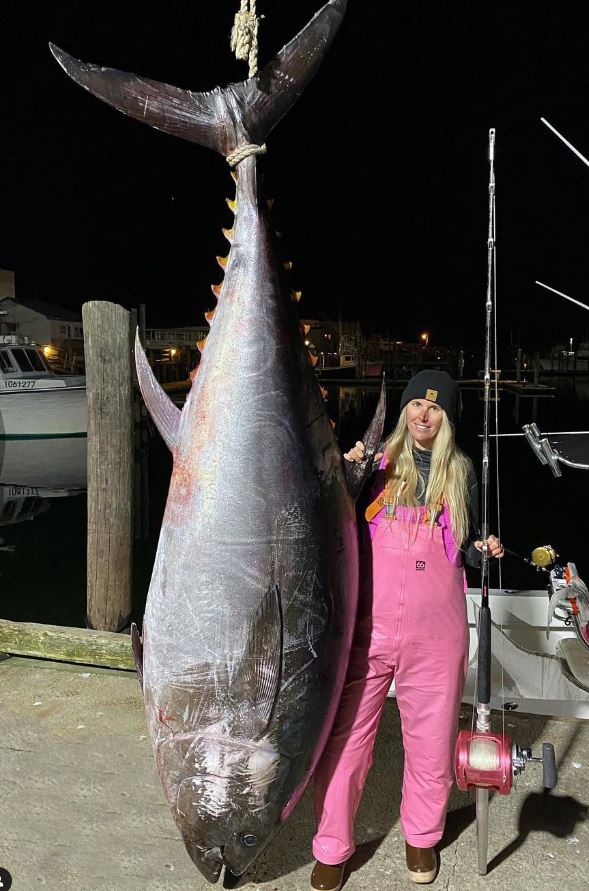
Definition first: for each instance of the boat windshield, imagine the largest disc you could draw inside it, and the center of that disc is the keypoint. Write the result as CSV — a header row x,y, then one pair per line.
x,y
6,364
28,360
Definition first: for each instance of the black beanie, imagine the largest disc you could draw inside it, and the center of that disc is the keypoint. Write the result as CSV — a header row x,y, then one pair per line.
x,y
437,386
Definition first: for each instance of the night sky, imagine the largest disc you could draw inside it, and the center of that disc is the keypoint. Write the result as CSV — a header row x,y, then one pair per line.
x,y
379,172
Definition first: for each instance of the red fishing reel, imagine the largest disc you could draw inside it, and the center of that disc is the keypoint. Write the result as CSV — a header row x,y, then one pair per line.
x,y
491,761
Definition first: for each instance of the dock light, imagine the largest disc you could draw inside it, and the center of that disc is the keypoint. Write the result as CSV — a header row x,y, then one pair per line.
x,y
307,342
173,352
48,350
425,338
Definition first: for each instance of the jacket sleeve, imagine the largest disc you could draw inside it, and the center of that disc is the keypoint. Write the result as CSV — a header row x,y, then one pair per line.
x,y
472,555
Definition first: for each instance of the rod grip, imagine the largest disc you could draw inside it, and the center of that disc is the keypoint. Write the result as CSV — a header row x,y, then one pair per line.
x,y
484,661
549,766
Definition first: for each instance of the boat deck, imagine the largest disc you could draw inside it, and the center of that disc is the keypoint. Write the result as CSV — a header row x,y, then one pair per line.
x,y
82,807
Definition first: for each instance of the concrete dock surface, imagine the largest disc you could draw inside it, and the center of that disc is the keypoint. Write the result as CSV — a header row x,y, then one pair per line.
x,y
81,807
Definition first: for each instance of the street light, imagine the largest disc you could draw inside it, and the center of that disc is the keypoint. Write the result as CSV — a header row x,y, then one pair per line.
x,y
425,338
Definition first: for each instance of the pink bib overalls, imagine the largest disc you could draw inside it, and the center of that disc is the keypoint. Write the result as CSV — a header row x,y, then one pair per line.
x,y
412,627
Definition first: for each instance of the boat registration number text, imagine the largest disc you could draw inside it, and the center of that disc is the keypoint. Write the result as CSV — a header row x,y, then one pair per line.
x,y
18,385
22,492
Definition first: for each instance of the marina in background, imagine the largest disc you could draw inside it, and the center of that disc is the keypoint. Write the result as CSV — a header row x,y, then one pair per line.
x,y
43,513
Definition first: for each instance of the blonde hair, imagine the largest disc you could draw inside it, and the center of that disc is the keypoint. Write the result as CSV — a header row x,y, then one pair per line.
x,y
447,480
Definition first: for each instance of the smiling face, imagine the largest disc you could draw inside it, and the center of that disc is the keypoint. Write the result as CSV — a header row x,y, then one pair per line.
x,y
424,419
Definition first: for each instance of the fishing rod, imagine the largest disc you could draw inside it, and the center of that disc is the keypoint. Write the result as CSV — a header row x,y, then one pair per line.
x,y
566,142
485,759
562,294
540,558
548,433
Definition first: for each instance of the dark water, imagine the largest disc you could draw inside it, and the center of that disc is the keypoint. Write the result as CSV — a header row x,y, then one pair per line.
x,y
43,529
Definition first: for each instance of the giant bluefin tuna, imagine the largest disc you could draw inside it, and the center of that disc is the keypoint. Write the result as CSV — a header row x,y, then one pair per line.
x,y
252,601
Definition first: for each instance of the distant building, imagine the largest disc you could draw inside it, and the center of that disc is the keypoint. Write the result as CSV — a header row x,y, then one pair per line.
x,y
173,353
168,339
44,323
334,344
6,284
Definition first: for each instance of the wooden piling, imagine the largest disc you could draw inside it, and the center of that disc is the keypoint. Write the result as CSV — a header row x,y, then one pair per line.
x,y
461,363
518,366
110,465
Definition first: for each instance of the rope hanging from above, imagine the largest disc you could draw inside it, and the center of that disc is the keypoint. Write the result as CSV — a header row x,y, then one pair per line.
x,y
244,35
244,43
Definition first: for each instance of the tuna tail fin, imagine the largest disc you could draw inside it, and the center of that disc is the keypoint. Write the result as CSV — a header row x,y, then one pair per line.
x,y
275,89
166,416
357,474
219,119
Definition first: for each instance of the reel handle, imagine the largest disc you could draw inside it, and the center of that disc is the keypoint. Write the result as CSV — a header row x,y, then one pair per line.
x,y
549,766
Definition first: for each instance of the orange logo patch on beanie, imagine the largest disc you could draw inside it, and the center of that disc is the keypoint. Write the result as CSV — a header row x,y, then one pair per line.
x,y
432,395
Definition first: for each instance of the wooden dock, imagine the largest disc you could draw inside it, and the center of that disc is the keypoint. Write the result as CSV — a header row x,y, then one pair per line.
x,y
512,386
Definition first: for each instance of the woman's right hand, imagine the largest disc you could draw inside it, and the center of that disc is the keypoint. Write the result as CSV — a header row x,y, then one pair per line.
x,y
358,454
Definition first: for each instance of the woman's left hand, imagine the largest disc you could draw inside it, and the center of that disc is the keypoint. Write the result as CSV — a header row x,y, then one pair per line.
x,y
494,546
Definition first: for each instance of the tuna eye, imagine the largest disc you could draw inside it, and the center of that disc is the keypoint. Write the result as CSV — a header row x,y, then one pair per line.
x,y
249,840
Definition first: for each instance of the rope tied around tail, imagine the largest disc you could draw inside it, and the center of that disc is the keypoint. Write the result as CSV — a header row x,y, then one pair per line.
x,y
245,151
244,35
244,43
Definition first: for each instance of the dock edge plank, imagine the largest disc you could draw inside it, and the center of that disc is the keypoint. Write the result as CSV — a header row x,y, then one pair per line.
x,y
104,649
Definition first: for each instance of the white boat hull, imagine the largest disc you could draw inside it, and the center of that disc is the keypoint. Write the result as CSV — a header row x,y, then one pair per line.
x,y
43,412
530,670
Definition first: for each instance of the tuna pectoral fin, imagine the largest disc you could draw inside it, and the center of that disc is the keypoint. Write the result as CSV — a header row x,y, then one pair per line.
x,y
165,414
257,681
137,648
357,474
210,118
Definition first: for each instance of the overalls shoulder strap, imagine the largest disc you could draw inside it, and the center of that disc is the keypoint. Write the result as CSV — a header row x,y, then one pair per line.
x,y
376,506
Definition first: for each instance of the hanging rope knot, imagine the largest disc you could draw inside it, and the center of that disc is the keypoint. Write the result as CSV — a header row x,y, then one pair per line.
x,y
245,151
244,35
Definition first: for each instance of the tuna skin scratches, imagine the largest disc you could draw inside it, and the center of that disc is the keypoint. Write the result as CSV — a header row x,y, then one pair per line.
x,y
252,601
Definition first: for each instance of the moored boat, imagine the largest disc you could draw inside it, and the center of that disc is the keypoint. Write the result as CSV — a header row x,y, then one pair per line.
x,y
35,402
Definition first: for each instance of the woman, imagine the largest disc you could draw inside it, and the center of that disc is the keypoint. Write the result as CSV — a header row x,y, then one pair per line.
x,y
421,518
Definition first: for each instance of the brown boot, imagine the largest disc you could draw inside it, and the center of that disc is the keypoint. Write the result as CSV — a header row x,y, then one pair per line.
x,y
422,864
327,878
